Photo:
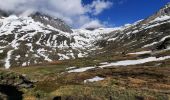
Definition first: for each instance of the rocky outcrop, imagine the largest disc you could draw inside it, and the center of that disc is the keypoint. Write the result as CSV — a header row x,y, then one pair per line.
x,y
164,44
8,92
13,79
54,22
10,85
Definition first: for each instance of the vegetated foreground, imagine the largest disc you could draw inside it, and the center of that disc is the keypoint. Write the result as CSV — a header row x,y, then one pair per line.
x,y
148,81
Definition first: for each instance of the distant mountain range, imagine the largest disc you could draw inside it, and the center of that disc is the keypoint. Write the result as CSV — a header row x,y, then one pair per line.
x,y
39,38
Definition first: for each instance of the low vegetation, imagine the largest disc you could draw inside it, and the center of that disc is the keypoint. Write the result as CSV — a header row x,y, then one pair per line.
x,y
149,81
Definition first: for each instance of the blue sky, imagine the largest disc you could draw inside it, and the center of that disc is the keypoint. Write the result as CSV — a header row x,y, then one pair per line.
x,y
128,11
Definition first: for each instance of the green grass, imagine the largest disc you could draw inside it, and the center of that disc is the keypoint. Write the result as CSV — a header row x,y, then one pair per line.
x,y
105,93
38,72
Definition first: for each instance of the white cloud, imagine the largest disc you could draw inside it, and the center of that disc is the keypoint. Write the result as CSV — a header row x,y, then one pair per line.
x,y
71,11
98,6
93,24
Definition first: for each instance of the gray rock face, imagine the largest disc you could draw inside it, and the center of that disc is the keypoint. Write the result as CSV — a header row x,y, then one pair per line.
x,y
13,79
165,44
54,22
10,85
45,19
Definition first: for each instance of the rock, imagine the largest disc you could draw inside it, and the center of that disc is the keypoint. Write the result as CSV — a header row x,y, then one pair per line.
x,y
3,96
54,22
164,44
12,79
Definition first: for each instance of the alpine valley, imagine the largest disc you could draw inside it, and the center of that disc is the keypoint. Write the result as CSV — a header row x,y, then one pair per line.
x,y
43,58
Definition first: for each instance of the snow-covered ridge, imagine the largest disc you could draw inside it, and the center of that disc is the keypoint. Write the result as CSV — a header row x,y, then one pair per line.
x,y
42,42
24,29
87,37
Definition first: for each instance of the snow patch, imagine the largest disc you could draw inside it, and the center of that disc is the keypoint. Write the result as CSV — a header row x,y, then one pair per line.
x,y
95,79
163,39
161,18
41,53
17,57
24,64
104,63
112,39
80,69
7,60
139,53
80,55
135,62
1,51
62,56
151,44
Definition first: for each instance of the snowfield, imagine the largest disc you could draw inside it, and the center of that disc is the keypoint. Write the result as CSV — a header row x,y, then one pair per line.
x,y
24,29
135,62
121,63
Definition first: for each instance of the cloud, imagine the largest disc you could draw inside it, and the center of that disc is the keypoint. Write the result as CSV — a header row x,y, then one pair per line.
x,y
98,6
93,24
74,12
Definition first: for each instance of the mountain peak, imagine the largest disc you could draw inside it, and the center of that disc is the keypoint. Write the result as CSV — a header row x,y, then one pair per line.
x,y
40,17
163,12
167,5
52,21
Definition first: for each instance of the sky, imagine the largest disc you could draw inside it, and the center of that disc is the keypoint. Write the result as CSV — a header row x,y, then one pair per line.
x,y
128,11
87,13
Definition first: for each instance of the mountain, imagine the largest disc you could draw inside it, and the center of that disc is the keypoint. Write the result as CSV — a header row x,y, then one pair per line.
x,y
54,22
26,40
151,33
40,38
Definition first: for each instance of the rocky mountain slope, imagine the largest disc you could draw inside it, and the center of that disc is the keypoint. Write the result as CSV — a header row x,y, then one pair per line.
x,y
39,38
151,33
